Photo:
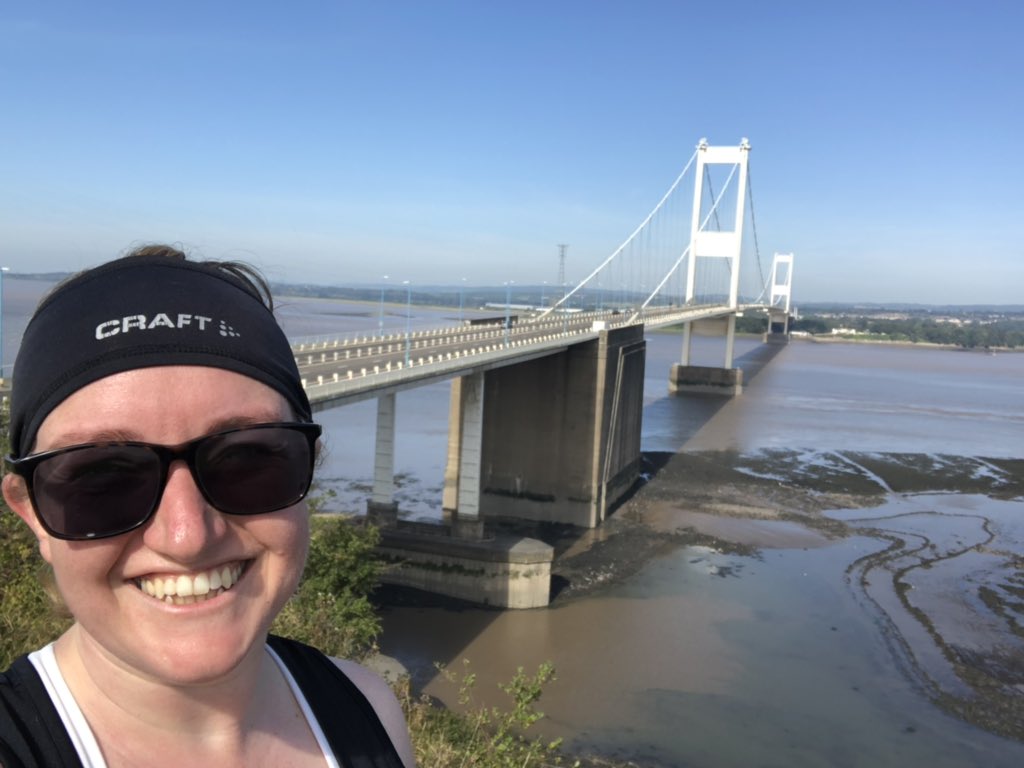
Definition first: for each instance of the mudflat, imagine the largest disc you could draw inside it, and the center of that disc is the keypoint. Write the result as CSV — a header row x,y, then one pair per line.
x,y
946,585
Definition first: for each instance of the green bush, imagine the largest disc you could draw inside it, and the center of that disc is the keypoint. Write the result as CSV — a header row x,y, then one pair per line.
x,y
331,610
29,616
486,737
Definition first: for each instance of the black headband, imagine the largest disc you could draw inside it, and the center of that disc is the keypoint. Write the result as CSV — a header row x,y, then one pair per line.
x,y
140,312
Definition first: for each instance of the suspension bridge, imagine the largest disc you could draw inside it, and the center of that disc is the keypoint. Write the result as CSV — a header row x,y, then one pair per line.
x,y
687,263
545,413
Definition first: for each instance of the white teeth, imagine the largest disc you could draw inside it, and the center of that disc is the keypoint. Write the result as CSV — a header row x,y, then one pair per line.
x,y
195,588
201,585
184,587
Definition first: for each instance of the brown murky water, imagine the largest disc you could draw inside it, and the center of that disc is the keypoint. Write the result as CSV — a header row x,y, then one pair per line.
x,y
796,655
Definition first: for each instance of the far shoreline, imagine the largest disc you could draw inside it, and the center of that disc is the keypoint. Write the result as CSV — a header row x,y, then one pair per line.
x,y
909,344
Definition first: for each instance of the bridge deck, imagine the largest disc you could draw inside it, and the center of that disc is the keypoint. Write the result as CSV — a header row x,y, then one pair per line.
x,y
340,371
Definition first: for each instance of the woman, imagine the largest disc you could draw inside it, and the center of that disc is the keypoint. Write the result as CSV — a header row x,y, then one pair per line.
x,y
161,447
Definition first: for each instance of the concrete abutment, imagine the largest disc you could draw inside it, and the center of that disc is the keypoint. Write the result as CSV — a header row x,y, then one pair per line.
x,y
705,380
505,572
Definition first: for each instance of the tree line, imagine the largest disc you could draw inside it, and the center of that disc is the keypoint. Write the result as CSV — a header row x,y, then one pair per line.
x,y
1002,333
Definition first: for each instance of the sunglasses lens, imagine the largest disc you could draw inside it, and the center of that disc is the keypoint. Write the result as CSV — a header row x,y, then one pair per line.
x,y
257,470
97,491
92,491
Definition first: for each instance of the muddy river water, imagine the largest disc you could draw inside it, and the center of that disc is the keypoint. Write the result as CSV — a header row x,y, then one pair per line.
x,y
825,571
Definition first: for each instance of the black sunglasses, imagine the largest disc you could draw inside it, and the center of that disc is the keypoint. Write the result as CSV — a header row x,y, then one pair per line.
x,y
96,490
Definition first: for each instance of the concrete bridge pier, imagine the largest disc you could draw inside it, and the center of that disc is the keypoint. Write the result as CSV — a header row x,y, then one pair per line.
x,y
382,509
555,438
561,436
458,559
461,500
698,379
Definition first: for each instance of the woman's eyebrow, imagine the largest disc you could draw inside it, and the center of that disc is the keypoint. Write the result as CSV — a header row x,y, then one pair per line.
x,y
71,438
248,420
81,438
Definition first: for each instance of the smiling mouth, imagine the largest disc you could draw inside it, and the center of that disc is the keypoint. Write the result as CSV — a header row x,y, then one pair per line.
x,y
185,589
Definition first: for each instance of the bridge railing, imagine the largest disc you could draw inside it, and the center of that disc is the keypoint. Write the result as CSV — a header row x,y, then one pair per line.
x,y
484,349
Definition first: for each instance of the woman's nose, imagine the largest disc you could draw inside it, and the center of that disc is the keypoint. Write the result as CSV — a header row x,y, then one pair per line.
x,y
184,523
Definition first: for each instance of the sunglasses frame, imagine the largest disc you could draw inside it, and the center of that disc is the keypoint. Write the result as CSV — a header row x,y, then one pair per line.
x,y
167,454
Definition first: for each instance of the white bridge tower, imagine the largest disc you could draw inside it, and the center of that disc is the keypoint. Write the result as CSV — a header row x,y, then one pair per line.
x,y
717,244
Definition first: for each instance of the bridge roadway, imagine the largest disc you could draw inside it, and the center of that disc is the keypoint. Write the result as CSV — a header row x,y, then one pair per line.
x,y
343,371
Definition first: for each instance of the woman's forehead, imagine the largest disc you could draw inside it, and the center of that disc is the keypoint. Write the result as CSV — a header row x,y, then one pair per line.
x,y
161,404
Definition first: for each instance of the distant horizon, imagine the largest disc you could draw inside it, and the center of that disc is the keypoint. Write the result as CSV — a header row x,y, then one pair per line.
x,y
55,276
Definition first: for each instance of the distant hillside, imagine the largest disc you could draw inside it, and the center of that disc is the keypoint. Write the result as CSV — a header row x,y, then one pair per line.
x,y
422,294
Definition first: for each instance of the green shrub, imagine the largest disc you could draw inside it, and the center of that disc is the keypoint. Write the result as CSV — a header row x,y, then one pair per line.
x,y
331,610
484,737
29,616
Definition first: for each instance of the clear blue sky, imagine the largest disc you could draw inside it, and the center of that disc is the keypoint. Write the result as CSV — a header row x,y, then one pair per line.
x,y
339,141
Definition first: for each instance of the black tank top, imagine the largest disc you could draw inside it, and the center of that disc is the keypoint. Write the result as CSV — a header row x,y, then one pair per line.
x,y
33,736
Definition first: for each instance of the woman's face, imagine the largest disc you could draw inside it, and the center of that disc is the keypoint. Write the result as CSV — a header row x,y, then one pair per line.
x,y
107,583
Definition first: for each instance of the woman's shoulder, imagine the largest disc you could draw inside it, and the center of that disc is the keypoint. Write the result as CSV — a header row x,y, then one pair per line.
x,y
335,683
384,702
372,685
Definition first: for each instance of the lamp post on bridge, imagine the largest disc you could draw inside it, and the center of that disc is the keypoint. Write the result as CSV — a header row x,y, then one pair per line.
x,y
508,307
380,321
408,307
565,307
462,291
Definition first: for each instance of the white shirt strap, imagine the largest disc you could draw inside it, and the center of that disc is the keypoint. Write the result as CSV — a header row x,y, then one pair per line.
x,y
45,662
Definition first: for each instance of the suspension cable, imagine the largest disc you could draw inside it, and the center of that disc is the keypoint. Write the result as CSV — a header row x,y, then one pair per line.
x,y
628,240
757,248
686,251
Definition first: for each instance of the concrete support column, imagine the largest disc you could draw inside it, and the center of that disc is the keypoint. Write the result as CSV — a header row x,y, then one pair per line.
x,y
461,501
382,508
450,495
687,336
730,338
468,522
